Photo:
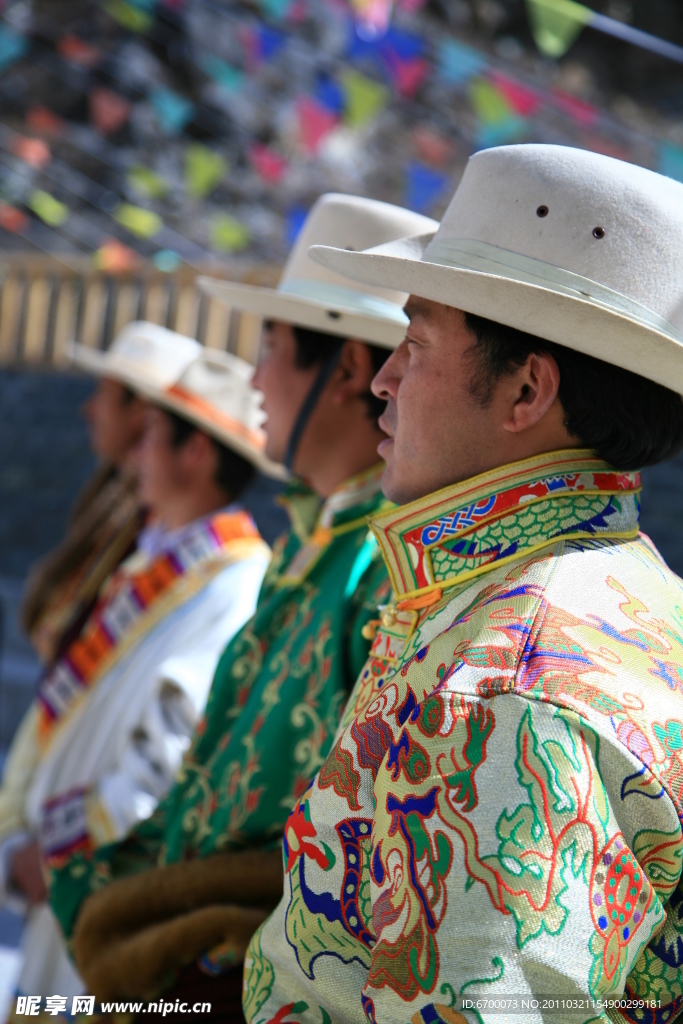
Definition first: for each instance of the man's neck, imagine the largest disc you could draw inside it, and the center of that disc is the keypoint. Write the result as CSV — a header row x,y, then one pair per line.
x,y
328,467
189,507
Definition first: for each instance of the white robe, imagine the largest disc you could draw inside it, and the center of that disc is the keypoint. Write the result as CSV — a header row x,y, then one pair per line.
x,y
125,741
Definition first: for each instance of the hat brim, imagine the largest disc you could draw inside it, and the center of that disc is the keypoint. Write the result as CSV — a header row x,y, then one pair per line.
x,y
100,364
275,305
577,322
216,426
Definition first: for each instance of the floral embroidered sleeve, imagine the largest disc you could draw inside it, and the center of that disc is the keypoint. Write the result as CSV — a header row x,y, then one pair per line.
x,y
514,853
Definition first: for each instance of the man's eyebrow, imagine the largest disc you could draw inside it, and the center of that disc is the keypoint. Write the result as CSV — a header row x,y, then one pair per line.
x,y
413,308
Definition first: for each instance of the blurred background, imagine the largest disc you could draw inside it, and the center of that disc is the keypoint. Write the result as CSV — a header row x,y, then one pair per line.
x,y
145,141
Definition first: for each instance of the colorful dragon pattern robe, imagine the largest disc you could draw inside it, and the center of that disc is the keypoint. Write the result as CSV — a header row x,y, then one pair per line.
x,y
500,814
275,702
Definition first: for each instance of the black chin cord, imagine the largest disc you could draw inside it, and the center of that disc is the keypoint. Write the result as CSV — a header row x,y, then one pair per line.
x,y
309,404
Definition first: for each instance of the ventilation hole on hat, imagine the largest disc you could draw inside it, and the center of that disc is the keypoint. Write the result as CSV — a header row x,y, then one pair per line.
x,y
598,232
350,248
333,314
542,211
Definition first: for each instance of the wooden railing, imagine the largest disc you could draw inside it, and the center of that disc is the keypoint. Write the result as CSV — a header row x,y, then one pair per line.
x,y
44,304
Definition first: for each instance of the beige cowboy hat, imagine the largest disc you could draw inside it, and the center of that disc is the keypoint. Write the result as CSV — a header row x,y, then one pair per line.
x,y
141,353
309,295
570,246
214,392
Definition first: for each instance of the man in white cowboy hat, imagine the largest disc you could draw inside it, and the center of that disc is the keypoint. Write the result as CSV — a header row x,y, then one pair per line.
x,y
114,713
497,829
281,684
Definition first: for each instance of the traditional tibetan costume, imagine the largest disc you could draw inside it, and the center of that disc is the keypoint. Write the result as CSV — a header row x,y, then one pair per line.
x,y
497,827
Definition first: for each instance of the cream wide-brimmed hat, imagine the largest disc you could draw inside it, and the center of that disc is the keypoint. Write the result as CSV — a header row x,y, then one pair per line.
x,y
141,353
571,246
309,295
214,392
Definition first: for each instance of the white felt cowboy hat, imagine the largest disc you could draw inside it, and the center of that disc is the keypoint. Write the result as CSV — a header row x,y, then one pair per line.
x,y
571,246
309,295
141,353
214,392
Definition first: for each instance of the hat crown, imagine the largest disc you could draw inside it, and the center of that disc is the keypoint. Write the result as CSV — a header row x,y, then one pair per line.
x,y
591,215
223,381
353,223
152,353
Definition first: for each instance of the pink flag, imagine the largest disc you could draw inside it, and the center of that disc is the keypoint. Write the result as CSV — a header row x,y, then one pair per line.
x,y
583,113
315,122
524,101
268,164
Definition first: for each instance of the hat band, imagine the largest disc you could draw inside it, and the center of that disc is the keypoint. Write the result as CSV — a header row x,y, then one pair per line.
x,y
338,296
210,414
469,254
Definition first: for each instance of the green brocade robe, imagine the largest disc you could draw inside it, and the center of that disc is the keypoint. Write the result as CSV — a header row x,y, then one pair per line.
x,y
275,702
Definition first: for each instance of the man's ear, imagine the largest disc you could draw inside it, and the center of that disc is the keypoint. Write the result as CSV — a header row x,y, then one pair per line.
x,y
533,391
354,371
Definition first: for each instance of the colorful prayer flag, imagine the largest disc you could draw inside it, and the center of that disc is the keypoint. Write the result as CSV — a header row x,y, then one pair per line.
x,y
365,98
147,182
40,119
294,222
140,222
267,163
490,105
315,122
166,260
670,161
34,152
172,110
135,16
225,75
583,113
275,9
204,169
523,101
432,147
423,187
227,234
78,51
49,209
12,219
556,24
116,258
13,45
458,63
108,111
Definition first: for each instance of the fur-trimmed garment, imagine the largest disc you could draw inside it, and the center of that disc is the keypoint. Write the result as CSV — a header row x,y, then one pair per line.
x,y
135,934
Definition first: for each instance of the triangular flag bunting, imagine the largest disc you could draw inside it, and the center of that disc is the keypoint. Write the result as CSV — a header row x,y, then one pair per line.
x,y
671,161
408,74
172,111
48,208
12,219
227,234
432,147
142,223
423,187
34,152
225,75
13,45
108,111
523,101
315,122
270,165
365,99
147,182
490,105
458,63
583,113
556,24
116,258
135,16
204,169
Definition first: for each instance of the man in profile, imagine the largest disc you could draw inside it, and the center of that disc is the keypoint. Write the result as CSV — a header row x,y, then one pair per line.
x,y
499,819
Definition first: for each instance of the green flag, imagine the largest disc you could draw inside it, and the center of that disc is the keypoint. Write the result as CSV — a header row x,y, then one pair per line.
x,y
556,24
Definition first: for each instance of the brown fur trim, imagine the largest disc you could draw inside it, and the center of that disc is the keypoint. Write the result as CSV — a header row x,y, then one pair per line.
x,y
133,934
142,966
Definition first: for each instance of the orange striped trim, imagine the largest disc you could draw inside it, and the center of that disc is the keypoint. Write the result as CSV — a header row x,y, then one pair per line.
x,y
220,419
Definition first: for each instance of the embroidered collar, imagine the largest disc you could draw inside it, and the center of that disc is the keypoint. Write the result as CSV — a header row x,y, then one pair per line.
x,y
472,527
347,508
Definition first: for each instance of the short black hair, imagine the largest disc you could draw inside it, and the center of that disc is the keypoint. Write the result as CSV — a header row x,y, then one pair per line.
x,y
316,347
627,420
233,472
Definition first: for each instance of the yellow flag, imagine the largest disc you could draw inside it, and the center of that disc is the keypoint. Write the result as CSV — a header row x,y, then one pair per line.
x,y
148,182
204,169
490,105
556,24
227,234
48,208
142,223
364,98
